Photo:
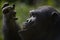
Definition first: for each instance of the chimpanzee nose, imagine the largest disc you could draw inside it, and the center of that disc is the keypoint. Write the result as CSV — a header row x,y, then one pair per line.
x,y
32,19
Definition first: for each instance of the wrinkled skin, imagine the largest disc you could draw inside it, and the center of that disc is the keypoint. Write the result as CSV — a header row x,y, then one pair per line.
x,y
43,24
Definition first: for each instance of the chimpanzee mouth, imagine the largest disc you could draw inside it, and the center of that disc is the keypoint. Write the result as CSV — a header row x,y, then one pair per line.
x,y
27,25
14,18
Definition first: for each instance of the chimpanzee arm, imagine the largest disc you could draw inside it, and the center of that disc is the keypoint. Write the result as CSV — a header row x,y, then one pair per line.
x,y
10,27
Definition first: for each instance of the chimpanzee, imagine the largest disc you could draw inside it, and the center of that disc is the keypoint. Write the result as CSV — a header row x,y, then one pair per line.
x,y
43,24
10,27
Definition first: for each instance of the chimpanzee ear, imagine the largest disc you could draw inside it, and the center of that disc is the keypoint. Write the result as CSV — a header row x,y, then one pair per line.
x,y
54,14
13,6
5,4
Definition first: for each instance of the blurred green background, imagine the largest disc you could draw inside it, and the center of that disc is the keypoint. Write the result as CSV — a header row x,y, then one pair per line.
x,y
24,6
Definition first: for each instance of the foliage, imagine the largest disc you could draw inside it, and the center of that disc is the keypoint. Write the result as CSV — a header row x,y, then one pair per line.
x,y
10,0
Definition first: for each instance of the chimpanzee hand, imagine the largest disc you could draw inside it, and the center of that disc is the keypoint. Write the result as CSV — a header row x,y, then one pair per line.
x,y
9,11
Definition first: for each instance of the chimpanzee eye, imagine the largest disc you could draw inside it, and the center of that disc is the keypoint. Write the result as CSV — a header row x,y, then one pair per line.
x,y
33,14
6,11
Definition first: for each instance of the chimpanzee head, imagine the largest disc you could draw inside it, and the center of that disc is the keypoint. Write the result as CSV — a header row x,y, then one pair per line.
x,y
8,11
42,16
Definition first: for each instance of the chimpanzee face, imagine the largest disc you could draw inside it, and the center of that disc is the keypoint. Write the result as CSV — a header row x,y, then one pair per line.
x,y
41,16
35,18
9,12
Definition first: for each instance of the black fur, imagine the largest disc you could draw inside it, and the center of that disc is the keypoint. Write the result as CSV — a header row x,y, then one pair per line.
x,y
43,24
46,26
10,27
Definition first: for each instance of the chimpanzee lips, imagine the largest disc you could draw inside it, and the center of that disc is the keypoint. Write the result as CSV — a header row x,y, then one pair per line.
x,y
15,18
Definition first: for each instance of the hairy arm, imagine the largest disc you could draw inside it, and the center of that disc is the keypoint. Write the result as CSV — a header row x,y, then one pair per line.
x,y
10,27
